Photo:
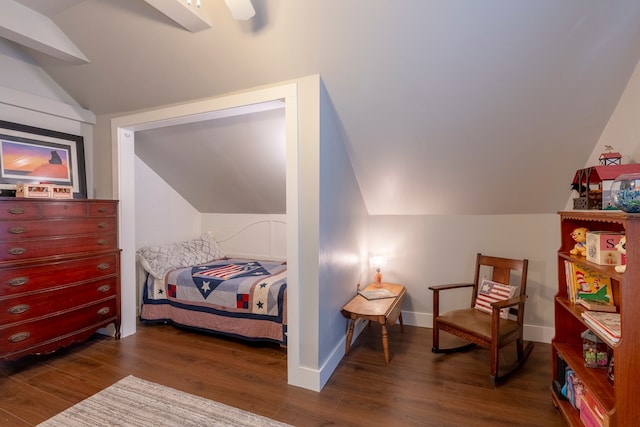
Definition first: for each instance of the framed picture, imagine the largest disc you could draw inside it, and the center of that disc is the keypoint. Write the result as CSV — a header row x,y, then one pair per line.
x,y
34,155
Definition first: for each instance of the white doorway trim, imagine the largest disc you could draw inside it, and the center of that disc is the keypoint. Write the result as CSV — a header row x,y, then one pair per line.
x,y
123,140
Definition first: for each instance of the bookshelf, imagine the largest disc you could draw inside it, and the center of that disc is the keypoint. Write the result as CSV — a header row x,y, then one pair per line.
x,y
567,343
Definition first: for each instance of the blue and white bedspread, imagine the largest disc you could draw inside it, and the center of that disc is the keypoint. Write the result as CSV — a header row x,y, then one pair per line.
x,y
238,297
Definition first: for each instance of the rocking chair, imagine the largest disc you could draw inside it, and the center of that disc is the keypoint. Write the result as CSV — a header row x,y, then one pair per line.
x,y
488,330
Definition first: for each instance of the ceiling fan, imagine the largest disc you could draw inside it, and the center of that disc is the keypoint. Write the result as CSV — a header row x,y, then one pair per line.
x,y
192,18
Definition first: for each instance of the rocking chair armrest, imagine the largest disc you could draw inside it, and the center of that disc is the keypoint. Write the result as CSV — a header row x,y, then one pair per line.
x,y
436,294
437,288
520,299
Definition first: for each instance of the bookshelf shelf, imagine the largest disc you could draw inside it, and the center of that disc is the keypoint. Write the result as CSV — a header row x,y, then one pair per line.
x,y
596,378
604,269
576,310
567,343
568,412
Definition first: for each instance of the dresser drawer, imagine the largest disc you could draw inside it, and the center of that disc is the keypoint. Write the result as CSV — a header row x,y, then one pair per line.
x,y
102,209
63,209
24,307
35,248
74,209
17,280
14,230
19,210
21,336
48,209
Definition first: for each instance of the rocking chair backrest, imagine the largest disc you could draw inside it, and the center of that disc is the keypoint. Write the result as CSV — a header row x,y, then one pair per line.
x,y
501,272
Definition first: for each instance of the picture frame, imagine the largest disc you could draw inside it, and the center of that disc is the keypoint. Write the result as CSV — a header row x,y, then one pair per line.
x,y
34,155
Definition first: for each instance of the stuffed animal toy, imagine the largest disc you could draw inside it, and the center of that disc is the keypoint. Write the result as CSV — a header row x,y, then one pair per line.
x,y
622,248
580,236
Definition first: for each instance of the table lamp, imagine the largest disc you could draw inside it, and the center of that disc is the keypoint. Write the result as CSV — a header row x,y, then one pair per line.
x,y
377,262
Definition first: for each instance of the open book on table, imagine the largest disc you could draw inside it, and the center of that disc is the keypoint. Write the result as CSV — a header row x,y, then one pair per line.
x,y
371,294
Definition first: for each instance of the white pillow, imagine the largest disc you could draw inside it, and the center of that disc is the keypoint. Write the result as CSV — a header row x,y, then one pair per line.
x,y
158,259
199,251
490,291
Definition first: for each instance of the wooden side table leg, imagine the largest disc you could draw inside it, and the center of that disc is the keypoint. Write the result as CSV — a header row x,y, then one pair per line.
x,y
401,323
385,342
349,336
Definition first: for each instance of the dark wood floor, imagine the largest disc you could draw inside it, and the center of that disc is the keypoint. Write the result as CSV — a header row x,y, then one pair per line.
x,y
417,388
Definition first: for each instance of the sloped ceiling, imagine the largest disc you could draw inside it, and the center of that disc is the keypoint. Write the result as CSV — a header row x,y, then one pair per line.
x,y
200,159
447,107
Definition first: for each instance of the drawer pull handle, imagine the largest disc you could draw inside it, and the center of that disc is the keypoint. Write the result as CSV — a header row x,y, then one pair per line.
x,y
20,336
104,288
18,281
17,230
102,225
102,209
17,251
18,309
16,211
104,311
102,242
103,266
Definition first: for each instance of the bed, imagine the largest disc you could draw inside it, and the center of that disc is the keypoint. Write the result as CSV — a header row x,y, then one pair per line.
x,y
195,284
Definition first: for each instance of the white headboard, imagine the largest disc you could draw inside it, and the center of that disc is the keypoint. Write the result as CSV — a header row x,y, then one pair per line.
x,y
249,236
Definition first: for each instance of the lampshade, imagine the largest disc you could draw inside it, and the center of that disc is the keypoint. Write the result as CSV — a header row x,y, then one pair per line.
x,y
378,261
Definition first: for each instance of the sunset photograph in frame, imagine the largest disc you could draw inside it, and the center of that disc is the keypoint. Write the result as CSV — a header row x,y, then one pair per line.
x,y
34,155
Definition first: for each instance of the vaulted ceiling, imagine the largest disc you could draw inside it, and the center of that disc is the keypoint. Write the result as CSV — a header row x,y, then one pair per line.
x,y
447,106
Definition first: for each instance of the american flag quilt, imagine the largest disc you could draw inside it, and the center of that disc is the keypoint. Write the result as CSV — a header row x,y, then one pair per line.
x,y
240,297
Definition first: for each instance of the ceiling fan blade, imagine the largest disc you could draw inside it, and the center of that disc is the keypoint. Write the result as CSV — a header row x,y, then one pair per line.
x,y
240,9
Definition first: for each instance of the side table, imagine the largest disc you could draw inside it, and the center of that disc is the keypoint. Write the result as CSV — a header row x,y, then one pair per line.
x,y
385,311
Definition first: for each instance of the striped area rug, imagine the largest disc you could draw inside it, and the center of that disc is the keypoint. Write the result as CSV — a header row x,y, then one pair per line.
x,y
133,402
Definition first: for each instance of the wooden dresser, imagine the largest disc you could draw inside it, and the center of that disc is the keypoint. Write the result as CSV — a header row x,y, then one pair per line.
x,y
59,273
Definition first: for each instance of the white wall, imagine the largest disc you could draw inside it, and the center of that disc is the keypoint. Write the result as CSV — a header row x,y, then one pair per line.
x,y
21,73
342,238
427,250
622,132
162,215
623,129
303,197
30,97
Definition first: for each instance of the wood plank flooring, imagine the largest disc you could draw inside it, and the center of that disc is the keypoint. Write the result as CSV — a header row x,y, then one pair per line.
x,y
418,388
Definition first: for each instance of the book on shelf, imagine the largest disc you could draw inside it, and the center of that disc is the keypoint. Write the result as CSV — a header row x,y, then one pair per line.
x,y
606,325
568,274
372,294
571,282
591,412
585,283
596,305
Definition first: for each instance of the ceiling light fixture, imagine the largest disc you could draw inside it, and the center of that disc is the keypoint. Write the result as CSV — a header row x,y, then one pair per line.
x,y
240,9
